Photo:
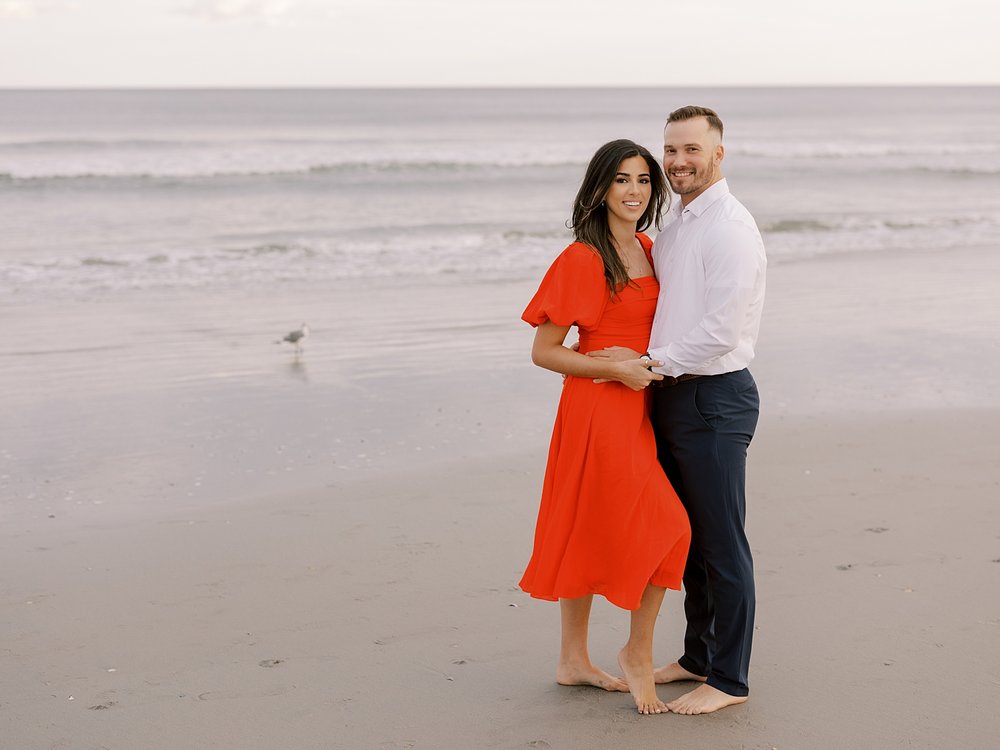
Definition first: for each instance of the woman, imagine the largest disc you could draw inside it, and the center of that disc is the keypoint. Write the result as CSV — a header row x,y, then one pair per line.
x,y
609,521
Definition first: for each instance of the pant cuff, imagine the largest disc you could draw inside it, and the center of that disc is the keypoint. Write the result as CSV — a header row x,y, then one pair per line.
x,y
692,666
729,687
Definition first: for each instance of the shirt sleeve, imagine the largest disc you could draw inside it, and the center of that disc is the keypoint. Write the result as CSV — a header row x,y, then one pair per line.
x,y
734,262
573,290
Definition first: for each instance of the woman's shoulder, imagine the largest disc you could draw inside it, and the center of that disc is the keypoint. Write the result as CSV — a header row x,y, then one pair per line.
x,y
644,240
582,253
578,264
573,290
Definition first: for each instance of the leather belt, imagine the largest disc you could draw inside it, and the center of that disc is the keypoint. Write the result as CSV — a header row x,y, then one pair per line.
x,y
670,380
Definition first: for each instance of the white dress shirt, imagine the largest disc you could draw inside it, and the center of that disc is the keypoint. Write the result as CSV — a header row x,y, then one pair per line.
x,y
710,263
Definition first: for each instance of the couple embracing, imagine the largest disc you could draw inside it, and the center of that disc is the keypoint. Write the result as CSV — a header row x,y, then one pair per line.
x,y
646,474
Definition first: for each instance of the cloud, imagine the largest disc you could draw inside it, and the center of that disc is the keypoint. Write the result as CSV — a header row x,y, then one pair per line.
x,y
230,10
16,8
31,8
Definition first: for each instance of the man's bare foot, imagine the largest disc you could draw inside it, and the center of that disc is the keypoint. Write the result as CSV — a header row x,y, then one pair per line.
x,y
704,699
675,673
587,674
639,676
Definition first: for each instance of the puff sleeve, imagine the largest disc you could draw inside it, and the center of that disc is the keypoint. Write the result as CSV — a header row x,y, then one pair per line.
x,y
647,245
573,290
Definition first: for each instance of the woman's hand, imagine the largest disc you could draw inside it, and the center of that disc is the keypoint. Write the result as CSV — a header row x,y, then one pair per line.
x,y
634,373
616,354
549,352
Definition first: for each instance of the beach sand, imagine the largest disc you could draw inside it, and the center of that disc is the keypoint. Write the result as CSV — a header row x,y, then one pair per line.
x,y
208,542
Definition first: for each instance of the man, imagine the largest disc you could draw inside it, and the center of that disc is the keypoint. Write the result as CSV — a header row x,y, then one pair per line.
x,y
710,262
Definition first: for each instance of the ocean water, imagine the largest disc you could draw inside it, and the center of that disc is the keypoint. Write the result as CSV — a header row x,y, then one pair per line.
x,y
111,191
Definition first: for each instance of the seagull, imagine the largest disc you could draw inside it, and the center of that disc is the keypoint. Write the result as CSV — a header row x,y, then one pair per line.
x,y
296,337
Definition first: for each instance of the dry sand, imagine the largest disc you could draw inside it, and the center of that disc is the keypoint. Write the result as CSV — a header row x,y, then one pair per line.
x,y
208,543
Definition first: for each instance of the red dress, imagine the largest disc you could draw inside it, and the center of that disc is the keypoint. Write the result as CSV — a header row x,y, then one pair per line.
x,y
609,521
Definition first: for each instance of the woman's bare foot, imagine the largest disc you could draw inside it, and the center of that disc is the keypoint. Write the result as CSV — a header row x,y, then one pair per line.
x,y
704,699
577,673
639,676
675,673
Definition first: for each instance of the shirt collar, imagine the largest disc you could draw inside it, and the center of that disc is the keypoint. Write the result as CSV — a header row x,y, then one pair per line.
x,y
701,204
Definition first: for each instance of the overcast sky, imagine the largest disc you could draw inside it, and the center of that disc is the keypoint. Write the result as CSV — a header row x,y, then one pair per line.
x,y
496,42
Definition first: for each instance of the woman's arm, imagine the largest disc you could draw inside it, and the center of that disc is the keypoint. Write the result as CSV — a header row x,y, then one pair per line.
x,y
548,351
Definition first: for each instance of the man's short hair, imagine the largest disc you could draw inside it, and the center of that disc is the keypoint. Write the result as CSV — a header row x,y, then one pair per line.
x,y
690,112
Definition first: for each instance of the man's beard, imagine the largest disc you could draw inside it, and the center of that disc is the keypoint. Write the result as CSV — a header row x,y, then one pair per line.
x,y
696,182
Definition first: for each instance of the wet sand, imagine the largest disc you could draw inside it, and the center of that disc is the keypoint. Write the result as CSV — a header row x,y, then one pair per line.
x,y
208,541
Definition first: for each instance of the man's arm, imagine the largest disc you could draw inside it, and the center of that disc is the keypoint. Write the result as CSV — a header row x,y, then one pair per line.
x,y
734,262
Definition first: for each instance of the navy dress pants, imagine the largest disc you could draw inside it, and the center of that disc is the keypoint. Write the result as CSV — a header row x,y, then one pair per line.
x,y
703,428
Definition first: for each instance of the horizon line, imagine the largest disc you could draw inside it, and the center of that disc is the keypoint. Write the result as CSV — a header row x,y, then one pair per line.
x,y
479,87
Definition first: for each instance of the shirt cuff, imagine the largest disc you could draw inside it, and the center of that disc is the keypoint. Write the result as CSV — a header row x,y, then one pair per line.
x,y
669,368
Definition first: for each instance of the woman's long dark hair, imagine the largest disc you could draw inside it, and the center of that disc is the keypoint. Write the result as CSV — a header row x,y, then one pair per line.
x,y
590,215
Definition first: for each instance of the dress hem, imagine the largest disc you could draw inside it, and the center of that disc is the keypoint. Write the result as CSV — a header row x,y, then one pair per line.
x,y
673,586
